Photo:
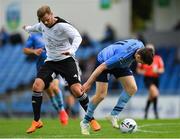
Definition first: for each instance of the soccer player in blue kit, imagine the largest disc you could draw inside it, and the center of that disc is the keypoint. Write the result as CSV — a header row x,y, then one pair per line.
x,y
115,59
35,46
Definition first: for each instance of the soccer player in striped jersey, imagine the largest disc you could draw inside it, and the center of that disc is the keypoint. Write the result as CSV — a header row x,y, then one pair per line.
x,y
61,42
35,46
115,59
151,79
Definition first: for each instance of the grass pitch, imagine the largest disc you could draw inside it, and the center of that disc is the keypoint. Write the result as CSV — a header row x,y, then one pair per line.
x,y
15,128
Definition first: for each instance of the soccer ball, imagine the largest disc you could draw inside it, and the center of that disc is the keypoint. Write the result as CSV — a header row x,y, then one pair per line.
x,y
128,126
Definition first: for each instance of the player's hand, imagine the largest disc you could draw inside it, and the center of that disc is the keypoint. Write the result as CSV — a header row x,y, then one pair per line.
x,y
65,53
155,69
38,51
86,87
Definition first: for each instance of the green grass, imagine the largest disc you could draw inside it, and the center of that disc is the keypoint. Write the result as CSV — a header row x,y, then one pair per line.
x,y
15,128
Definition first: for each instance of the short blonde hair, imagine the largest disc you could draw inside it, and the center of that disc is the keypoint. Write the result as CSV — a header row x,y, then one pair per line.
x,y
43,10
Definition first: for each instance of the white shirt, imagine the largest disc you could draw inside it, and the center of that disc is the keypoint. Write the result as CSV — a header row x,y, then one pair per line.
x,y
61,37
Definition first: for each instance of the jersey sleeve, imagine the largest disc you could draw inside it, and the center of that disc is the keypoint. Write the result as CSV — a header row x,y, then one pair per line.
x,y
160,62
34,28
74,35
29,42
112,62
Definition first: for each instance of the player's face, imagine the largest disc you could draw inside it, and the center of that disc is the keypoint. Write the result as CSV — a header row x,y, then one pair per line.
x,y
48,19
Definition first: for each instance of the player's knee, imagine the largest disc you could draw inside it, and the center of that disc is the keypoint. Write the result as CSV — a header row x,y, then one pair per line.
x,y
54,88
131,90
101,95
38,85
76,90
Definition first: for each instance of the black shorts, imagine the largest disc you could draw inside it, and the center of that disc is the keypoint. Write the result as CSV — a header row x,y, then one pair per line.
x,y
117,72
67,68
151,80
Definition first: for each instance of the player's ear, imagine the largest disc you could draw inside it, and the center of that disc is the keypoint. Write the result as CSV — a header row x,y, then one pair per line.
x,y
138,58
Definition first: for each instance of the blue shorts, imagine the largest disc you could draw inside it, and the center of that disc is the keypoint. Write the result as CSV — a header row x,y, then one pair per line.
x,y
39,63
117,72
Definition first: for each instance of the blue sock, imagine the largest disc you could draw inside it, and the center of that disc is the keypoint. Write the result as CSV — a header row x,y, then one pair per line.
x,y
54,103
59,99
89,113
122,101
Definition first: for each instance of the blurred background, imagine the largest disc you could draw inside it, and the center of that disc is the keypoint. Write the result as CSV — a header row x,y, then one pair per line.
x,y
100,22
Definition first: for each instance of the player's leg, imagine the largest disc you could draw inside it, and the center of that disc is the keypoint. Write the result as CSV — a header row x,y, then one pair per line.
x,y
72,76
70,70
129,85
52,99
147,107
84,100
100,94
58,97
148,82
57,93
154,93
44,77
82,97
36,104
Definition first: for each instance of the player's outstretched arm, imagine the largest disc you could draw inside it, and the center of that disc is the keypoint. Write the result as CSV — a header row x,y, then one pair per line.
x,y
87,85
26,28
34,28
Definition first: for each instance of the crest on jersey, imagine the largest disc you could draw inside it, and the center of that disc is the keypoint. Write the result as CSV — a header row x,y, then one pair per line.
x,y
13,15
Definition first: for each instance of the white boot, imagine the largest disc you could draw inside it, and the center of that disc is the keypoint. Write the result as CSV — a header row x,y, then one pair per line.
x,y
114,120
84,128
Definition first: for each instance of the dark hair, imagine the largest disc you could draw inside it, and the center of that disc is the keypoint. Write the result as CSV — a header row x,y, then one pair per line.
x,y
42,11
147,55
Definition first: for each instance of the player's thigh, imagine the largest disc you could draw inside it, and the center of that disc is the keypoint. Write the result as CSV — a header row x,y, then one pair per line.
x,y
125,76
46,74
70,70
129,84
101,90
53,88
152,84
154,92
55,82
54,85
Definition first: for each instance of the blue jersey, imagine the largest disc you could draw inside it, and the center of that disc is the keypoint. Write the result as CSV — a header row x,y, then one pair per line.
x,y
120,54
35,41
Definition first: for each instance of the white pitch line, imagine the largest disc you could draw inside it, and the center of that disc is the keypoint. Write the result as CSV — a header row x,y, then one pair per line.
x,y
149,131
157,124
